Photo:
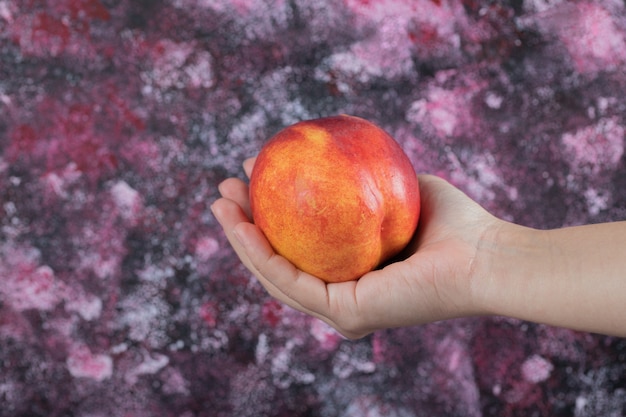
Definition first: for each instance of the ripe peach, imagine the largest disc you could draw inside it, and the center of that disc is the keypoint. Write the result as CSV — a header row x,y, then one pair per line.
x,y
336,196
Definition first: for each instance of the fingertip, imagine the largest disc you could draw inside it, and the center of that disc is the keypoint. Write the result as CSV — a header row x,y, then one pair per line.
x,y
248,164
216,209
225,186
237,191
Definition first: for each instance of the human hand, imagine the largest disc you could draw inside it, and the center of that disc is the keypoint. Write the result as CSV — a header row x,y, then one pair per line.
x,y
434,280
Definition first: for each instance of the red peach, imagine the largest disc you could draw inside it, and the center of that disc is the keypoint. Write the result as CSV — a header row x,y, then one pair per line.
x,y
336,196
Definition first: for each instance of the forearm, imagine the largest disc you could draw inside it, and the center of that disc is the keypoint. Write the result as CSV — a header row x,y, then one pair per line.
x,y
572,277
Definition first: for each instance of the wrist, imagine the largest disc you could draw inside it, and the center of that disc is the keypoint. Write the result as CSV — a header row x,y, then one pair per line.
x,y
509,261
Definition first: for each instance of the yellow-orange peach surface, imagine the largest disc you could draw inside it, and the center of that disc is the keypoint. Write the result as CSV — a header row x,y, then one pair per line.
x,y
336,196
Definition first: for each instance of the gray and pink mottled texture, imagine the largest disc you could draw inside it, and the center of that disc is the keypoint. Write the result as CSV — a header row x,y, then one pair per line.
x,y
119,295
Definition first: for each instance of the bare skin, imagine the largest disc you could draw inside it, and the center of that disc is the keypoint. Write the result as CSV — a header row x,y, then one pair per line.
x,y
462,262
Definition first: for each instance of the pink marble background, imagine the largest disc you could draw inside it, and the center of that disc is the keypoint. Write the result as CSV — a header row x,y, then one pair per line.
x,y
119,295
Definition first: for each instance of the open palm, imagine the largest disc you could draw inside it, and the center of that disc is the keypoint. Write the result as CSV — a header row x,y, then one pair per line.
x,y
432,280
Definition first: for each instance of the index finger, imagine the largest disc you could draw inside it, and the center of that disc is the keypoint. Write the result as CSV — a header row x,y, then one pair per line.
x,y
334,303
280,277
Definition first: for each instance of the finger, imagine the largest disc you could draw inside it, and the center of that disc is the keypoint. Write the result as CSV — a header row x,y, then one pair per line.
x,y
280,277
229,214
248,164
236,190
245,238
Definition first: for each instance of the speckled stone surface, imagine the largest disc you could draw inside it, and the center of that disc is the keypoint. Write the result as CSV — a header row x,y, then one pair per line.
x,y
119,295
